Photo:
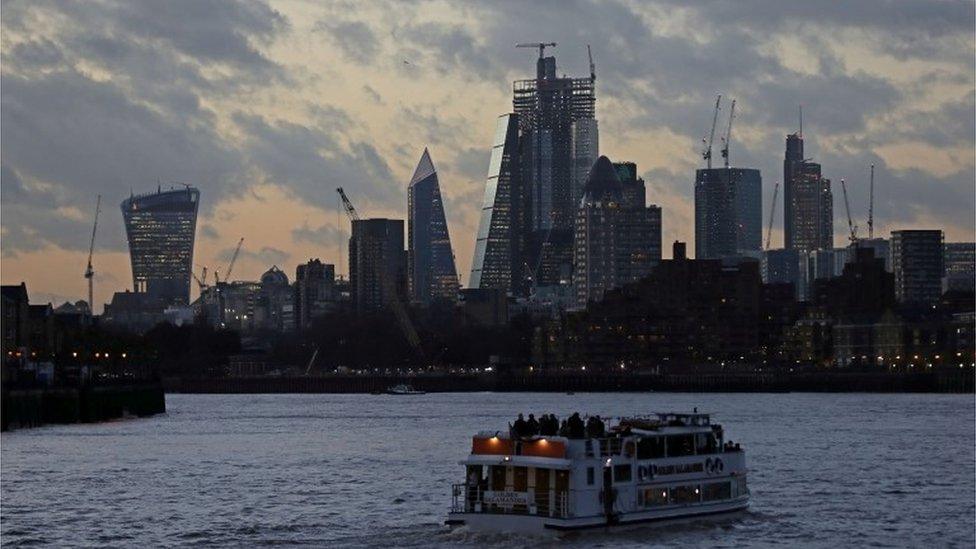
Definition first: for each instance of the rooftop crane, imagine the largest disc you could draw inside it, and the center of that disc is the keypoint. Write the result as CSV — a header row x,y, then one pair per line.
x,y
233,259
871,206
707,151
89,272
772,216
847,207
728,135
406,325
541,45
201,280
589,53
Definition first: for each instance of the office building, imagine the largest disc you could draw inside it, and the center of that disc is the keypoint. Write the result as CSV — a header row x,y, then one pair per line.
x,y
728,212
881,247
314,291
960,267
585,151
160,228
917,257
779,266
549,108
808,203
377,263
617,239
432,275
497,262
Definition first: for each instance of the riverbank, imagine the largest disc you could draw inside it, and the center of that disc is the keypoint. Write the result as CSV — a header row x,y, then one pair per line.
x,y
944,381
32,407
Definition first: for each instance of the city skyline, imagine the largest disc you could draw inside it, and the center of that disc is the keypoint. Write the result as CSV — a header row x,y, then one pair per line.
x,y
269,140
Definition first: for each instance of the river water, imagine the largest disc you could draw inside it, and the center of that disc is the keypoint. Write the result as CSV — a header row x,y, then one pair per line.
x,y
361,470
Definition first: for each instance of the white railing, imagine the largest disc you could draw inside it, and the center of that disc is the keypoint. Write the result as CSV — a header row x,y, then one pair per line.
x,y
466,498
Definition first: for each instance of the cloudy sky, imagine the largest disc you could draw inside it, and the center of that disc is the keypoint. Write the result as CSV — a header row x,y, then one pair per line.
x,y
268,106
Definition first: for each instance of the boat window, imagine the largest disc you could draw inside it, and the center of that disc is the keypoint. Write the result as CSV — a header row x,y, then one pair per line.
x,y
654,497
520,479
650,447
705,443
498,477
717,490
681,445
590,476
621,473
684,494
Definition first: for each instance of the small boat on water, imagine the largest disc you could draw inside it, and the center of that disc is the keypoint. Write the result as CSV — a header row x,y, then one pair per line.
x,y
404,389
650,469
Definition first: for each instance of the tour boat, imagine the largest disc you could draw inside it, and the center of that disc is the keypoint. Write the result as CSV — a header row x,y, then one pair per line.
x,y
649,469
403,389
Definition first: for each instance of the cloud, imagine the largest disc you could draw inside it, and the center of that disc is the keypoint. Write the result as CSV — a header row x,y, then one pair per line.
x,y
266,255
355,39
325,235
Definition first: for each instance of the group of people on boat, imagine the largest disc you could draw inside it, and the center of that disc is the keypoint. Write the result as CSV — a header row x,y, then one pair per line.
x,y
549,425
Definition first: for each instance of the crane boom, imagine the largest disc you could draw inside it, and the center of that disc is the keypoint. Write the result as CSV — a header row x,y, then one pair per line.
x,y
772,216
89,271
847,207
871,206
350,211
541,45
728,135
707,153
233,259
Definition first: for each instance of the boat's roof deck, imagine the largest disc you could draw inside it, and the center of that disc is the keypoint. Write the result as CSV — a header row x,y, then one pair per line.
x,y
651,424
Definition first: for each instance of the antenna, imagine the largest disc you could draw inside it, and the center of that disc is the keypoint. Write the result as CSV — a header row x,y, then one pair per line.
x,y
871,206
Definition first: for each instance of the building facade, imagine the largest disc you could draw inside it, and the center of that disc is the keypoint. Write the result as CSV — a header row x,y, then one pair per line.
x,y
314,291
728,212
499,246
432,274
160,228
917,257
808,203
377,263
960,267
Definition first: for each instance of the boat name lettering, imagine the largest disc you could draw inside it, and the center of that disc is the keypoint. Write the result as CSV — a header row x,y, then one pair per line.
x,y
677,469
505,498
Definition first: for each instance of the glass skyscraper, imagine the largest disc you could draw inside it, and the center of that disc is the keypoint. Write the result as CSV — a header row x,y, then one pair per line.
x,y
728,212
160,228
432,274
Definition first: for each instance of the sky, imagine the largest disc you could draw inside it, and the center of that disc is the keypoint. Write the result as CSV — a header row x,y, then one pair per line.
x,y
267,107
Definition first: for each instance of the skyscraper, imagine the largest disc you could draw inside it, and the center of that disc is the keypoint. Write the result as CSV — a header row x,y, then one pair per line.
x,y
918,261
377,263
808,203
728,212
314,291
549,107
617,238
497,262
160,228
432,274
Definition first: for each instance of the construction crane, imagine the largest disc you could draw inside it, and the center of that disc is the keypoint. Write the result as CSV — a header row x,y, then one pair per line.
x,y
847,207
728,135
707,151
772,216
406,325
233,259
201,280
89,271
589,54
871,206
541,45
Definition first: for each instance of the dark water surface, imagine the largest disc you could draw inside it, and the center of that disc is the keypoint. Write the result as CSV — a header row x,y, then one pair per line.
x,y
360,470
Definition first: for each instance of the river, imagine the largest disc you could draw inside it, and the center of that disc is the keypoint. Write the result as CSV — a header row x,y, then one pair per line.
x,y
361,470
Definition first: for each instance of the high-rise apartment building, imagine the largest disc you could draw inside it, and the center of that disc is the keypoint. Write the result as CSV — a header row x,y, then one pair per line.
x,y
808,202
160,228
432,274
617,238
315,293
728,212
552,111
377,263
917,257
497,262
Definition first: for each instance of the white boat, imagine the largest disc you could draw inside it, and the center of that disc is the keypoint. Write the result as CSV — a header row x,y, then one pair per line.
x,y
403,389
650,469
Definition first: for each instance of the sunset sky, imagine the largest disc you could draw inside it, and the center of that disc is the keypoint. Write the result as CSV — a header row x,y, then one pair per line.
x,y
268,107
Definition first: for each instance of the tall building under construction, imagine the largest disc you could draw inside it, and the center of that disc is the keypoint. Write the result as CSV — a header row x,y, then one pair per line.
x,y
160,228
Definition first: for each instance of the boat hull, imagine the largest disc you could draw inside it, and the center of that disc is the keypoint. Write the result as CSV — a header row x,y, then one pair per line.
x,y
491,522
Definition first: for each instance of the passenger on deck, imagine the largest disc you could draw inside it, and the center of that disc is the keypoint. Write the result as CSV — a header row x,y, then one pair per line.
x,y
518,428
576,427
564,429
531,426
595,427
553,424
